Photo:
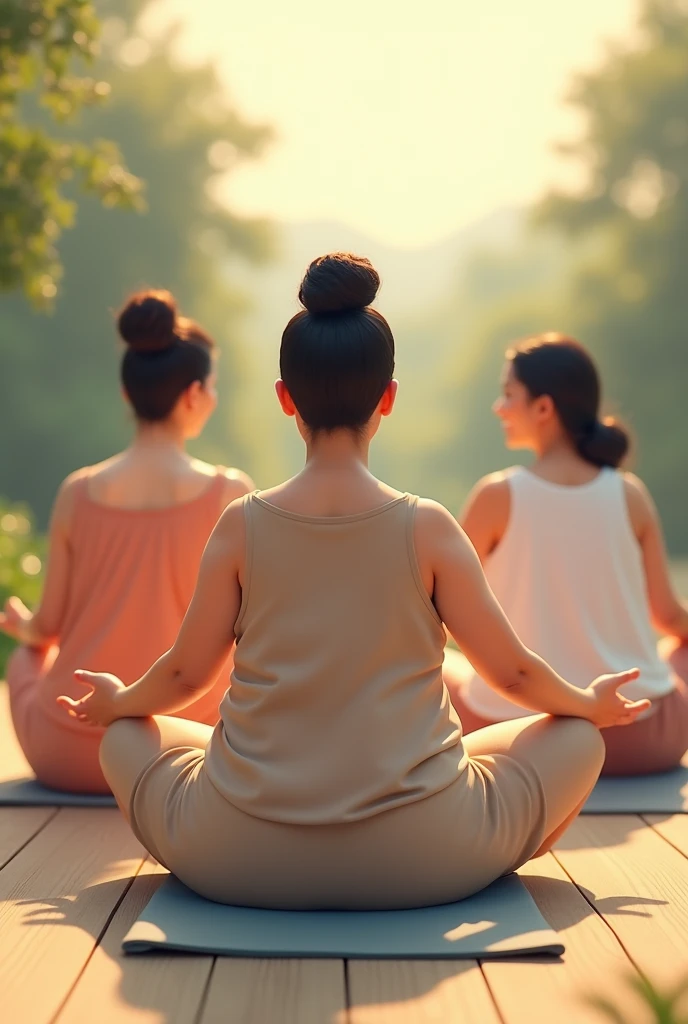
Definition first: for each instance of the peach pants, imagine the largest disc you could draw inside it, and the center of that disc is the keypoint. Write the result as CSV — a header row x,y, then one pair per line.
x,y
63,753
654,744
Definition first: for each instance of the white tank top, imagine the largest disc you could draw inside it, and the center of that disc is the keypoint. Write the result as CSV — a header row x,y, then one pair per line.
x,y
569,574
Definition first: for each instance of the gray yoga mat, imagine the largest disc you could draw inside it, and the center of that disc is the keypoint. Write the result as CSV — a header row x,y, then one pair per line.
x,y
641,794
29,793
499,922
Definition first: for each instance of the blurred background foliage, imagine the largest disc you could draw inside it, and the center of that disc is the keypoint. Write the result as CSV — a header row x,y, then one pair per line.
x,y
606,264
42,44
22,556
59,391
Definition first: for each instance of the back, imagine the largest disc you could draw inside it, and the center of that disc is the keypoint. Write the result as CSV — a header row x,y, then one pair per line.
x,y
132,576
569,574
337,708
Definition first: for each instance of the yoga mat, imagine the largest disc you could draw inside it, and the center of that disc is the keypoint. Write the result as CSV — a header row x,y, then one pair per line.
x,y
641,794
500,921
29,793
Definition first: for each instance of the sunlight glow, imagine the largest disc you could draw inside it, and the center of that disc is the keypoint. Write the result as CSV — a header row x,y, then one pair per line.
x,y
405,130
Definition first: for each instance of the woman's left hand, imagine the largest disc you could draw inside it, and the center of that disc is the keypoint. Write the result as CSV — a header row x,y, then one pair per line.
x,y
100,706
15,618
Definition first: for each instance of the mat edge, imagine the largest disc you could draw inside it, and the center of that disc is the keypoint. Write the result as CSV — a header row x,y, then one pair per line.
x,y
137,947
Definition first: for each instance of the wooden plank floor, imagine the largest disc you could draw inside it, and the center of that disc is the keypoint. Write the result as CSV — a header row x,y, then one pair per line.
x,y
72,881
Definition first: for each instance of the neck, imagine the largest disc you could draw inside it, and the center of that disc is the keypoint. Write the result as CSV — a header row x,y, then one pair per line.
x,y
158,437
556,447
338,451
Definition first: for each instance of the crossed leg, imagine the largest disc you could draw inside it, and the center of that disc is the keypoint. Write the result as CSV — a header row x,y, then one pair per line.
x,y
130,743
566,753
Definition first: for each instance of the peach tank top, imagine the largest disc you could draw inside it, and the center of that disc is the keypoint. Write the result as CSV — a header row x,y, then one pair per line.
x,y
132,576
337,709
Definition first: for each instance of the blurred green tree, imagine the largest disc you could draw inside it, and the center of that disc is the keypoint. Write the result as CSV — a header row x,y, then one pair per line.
x,y
627,300
605,263
40,43
499,296
59,390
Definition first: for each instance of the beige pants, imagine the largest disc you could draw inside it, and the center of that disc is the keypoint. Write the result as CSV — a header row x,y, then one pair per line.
x,y
524,782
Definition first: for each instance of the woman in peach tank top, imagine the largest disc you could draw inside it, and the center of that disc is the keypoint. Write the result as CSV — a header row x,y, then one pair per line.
x,y
338,775
126,541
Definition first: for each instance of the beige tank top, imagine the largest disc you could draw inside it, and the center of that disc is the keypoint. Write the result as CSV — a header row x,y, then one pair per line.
x,y
337,709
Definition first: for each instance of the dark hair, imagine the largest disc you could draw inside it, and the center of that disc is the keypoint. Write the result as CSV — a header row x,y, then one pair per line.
x,y
337,354
165,353
556,365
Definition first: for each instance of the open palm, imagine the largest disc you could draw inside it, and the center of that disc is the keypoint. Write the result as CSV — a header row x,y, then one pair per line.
x,y
611,708
99,707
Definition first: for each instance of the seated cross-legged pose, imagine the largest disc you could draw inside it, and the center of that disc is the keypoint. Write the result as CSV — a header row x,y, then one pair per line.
x,y
573,551
126,541
337,775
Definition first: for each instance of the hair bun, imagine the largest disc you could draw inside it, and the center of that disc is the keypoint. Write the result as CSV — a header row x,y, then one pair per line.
x,y
339,283
148,321
605,444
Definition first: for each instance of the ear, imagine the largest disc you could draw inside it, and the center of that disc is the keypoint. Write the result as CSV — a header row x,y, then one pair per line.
x,y
544,408
389,397
284,398
192,393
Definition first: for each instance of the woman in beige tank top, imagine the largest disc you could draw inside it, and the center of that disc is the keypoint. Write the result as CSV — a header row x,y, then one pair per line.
x,y
126,541
337,776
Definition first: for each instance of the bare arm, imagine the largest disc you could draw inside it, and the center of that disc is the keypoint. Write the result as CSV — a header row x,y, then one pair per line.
x,y
486,514
189,669
42,627
475,619
669,615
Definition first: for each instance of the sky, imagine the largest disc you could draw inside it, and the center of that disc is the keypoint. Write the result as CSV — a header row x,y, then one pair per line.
x,y
404,129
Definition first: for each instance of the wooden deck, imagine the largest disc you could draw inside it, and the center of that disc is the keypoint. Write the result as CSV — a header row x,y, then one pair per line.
x,y
72,881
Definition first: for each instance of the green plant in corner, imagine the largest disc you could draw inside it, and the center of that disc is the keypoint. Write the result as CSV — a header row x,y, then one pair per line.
x,y
41,42
660,1006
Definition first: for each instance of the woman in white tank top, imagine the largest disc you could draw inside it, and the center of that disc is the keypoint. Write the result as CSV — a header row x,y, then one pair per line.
x,y
573,550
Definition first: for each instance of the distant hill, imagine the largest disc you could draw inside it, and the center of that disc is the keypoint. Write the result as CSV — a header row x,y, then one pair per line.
x,y
412,278
419,286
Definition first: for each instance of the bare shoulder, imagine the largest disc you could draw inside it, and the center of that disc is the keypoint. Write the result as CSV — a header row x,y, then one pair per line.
x,y
635,488
63,507
236,483
492,493
99,471
486,513
229,536
431,514
72,482
233,515
435,527
641,507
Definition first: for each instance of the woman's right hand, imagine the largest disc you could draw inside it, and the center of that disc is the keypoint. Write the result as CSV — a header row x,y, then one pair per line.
x,y
607,707
99,706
